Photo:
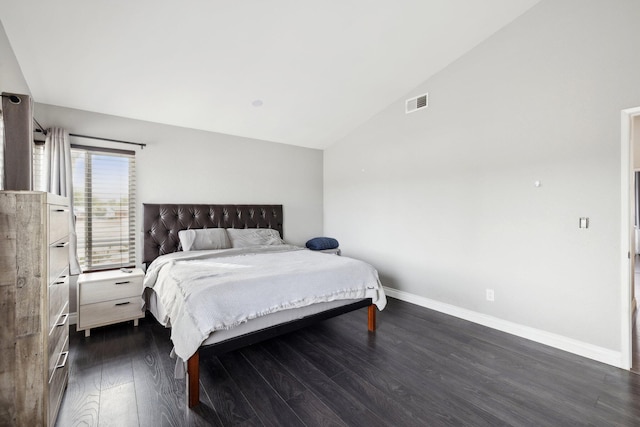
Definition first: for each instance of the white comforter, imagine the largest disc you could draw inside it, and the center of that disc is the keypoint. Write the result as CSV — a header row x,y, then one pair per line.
x,y
205,291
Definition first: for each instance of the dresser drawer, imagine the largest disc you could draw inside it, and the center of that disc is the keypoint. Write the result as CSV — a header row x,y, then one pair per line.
x,y
58,337
58,381
58,259
58,297
104,313
111,289
58,222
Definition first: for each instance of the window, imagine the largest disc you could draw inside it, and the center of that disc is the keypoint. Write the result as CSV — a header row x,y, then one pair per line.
x,y
104,198
104,205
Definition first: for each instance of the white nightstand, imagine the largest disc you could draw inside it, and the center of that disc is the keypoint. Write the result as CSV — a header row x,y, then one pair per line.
x,y
107,297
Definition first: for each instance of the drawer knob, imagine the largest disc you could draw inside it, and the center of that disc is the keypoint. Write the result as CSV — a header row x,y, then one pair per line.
x,y
65,355
62,245
62,210
122,283
123,303
64,320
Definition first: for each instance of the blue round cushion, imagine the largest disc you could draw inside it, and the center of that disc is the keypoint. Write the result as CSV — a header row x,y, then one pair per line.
x,y
322,243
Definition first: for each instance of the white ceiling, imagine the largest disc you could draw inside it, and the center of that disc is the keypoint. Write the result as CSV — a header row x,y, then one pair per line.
x,y
320,68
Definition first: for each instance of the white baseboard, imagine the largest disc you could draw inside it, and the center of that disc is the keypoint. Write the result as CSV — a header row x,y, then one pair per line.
x,y
580,348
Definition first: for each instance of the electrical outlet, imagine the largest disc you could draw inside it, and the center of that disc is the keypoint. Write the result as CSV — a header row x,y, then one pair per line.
x,y
491,295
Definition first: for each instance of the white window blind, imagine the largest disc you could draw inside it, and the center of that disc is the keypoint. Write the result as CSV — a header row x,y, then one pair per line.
x,y
39,183
104,190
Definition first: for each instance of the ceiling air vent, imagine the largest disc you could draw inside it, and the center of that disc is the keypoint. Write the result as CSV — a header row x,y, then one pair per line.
x,y
417,103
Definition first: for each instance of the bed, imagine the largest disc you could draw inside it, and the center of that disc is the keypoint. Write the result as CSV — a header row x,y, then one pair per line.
x,y
289,287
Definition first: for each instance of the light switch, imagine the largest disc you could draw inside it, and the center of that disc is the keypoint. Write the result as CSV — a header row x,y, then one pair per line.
x,y
584,222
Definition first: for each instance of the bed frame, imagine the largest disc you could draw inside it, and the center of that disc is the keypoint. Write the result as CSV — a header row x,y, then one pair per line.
x,y
161,225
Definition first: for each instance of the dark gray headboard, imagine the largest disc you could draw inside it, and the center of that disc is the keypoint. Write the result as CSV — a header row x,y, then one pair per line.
x,y
163,221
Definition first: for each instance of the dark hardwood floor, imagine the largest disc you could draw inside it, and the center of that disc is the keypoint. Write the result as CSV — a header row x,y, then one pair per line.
x,y
421,368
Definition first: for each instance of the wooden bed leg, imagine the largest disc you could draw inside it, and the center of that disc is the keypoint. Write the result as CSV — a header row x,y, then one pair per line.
x,y
372,318
193,380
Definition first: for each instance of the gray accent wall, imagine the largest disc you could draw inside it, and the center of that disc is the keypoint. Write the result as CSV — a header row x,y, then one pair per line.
x,y
181,165
442,201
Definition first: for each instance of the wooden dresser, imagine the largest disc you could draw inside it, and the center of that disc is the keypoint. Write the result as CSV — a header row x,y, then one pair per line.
x,y
34,306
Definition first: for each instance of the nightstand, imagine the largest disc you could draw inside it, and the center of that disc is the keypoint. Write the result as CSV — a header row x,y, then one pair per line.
x,y
107,297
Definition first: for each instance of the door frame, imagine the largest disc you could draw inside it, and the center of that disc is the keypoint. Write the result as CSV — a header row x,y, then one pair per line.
x,y
627,233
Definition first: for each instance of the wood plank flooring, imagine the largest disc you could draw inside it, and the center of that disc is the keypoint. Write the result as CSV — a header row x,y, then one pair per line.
x,y
421,368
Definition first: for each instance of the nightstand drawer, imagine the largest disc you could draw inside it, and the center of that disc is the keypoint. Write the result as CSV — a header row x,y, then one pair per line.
x,y
105,290
104,313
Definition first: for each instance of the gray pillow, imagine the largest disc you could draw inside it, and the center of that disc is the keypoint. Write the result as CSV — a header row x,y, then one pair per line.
x,y
247,237
204,239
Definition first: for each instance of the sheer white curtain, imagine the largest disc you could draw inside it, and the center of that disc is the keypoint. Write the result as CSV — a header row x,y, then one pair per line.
x,y
57,161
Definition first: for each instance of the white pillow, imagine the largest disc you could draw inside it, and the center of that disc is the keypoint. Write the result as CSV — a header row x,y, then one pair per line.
x,y
204,239
246,237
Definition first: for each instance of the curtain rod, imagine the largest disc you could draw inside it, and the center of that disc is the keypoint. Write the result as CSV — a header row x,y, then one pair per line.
x,y
140,144
119,141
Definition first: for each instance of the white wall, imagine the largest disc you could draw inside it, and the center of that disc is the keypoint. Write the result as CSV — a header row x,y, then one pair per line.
x,y
635,129
443,202
11,78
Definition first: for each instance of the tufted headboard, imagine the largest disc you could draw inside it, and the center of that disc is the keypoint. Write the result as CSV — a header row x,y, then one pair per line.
x,y
162,222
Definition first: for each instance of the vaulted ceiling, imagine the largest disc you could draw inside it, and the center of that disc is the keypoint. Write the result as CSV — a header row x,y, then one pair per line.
x,y
290,71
